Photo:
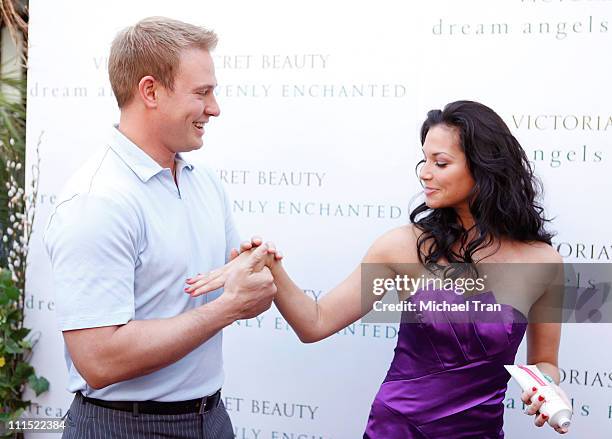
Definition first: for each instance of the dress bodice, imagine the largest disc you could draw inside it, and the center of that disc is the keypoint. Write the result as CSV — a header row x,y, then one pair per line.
x,y
447,377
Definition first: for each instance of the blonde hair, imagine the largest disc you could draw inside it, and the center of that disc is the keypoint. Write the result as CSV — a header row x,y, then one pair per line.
x,y
152,47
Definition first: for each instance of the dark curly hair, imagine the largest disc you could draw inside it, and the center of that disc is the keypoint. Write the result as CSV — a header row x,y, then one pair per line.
x,y
503,201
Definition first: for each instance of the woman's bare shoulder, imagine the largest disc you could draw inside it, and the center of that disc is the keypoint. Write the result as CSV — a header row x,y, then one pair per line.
x,y
398,245
541,252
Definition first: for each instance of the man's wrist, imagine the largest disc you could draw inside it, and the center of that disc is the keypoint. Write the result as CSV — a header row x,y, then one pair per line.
x,y
223,308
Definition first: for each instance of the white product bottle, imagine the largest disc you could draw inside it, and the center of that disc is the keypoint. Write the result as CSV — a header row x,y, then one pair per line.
x,y
529,376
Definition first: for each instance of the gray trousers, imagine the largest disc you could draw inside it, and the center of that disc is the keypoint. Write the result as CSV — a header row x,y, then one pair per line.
x,y
88,421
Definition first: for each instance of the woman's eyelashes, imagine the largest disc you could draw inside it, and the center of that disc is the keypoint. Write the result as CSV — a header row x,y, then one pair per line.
x,y
438,164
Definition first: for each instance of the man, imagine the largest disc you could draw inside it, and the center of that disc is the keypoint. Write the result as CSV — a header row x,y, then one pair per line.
x,y
144,359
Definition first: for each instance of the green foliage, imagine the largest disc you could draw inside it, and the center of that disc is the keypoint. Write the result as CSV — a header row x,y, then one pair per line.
x,y
15,371
38,384
12,141
16,218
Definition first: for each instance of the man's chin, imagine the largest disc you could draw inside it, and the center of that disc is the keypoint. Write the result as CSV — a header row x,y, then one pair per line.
x,y
195,146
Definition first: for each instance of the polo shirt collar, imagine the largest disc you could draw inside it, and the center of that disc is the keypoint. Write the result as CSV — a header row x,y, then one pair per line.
x,y
139,161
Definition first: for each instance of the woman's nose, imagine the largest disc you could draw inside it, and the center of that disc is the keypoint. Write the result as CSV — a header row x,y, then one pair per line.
x,y
425,173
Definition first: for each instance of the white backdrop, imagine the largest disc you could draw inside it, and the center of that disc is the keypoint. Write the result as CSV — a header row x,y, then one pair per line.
x,y
321,103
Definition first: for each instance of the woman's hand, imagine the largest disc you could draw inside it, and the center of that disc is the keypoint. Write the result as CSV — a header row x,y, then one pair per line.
x,y
534,406
255,241
207,282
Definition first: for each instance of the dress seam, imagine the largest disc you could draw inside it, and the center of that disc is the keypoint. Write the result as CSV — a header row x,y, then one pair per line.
x,y
401,415
439,371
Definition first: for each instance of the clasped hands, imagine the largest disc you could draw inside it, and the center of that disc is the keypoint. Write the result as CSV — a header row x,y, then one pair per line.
x,y
247,280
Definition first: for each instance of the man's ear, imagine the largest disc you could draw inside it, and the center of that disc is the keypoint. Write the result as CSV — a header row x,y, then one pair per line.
x,y
148,89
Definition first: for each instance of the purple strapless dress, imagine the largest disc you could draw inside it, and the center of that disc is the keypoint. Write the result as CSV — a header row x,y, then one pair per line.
x,y
447,378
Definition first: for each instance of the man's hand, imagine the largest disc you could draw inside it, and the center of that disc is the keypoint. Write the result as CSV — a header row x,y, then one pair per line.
x,y
249,285
207,282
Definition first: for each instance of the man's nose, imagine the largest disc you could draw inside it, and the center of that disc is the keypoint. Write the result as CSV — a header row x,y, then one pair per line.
x,y
212,107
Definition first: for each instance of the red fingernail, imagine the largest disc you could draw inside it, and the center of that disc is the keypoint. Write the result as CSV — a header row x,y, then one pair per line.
x,y
544,417
186,290
540,398
535,389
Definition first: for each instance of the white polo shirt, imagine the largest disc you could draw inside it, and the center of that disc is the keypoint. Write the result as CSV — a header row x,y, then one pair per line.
x,y
122,240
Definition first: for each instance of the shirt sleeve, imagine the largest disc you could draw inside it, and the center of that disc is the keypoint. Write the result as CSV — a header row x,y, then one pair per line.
x,y
92,245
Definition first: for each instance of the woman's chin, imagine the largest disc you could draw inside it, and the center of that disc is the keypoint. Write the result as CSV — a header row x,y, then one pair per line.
x,y
432,204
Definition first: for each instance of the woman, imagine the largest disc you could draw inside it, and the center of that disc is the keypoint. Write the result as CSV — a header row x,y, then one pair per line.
x,y
480,206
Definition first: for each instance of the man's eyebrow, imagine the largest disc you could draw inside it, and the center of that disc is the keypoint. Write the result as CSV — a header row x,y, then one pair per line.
x,y
204,87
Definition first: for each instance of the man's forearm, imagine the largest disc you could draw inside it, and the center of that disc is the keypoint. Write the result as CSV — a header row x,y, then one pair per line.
x,y
144,346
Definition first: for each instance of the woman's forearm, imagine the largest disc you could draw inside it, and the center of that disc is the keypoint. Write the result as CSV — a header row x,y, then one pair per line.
x,y
300,311
550,369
